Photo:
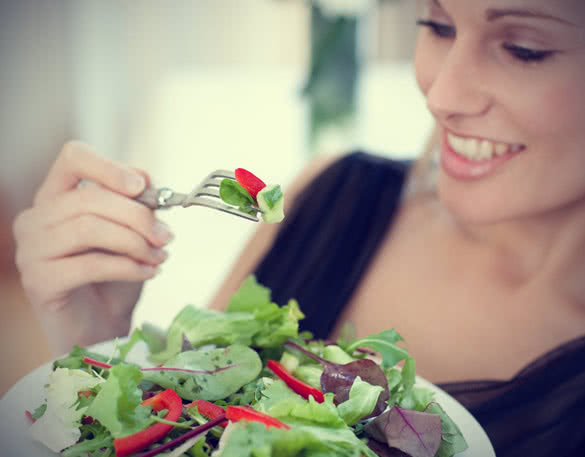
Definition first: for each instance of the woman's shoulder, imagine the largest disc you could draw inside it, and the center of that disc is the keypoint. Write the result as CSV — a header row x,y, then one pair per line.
x,y
356,168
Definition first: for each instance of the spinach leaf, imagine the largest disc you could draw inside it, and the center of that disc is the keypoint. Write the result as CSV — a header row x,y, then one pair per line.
x,y
233,193
208,374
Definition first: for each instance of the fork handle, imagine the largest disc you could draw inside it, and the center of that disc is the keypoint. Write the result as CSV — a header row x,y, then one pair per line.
x,y
150,198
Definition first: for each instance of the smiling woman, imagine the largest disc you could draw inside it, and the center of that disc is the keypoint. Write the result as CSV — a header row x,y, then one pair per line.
x,y
483,275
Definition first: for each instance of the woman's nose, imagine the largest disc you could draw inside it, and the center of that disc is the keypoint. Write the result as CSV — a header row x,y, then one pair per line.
x,y
458,86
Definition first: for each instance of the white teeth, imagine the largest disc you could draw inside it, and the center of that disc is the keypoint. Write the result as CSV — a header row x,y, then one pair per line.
x,y
471,148
501,149
476,150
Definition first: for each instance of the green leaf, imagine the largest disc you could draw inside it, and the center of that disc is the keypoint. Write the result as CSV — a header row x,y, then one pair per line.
x,y
117,405
251,297
209,374
452,440
272,196
38,412
255,440
58,427
204,326
74,360
93,438
233,193
385,344
363,397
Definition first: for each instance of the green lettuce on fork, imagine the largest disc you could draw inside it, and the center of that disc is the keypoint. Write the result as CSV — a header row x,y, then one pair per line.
x,y
244,382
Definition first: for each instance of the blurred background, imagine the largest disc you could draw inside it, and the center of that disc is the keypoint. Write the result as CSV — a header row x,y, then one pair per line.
x,y
183,87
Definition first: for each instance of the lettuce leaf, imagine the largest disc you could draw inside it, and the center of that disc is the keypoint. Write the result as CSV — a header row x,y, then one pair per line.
x,y
58,427
117,404
203,326
251,319
255,440
362,400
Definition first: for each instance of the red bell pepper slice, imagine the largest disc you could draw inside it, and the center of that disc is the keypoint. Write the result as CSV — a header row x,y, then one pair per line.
x,y
208,410
249,181
168,400
30,417
238,413
298,386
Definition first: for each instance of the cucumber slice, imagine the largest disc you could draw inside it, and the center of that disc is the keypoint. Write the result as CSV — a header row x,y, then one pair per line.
x,y
271,202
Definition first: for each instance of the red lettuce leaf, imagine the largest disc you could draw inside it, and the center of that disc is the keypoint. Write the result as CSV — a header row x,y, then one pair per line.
x,y
416,433
338,378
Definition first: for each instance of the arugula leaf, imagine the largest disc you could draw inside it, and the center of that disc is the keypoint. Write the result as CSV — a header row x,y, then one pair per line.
x,y
74,360
93,438
233,193
208,374
117,404
58,427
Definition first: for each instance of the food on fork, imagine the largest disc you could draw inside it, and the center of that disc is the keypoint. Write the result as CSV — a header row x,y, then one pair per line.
x,y
249,193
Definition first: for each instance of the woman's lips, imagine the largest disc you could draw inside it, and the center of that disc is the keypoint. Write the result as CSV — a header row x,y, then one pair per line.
x,y
473,158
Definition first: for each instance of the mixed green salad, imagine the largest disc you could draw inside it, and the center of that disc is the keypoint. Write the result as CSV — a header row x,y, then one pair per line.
x,y
244,382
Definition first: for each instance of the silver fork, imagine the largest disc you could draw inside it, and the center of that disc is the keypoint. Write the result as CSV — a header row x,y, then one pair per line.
x,y
205,194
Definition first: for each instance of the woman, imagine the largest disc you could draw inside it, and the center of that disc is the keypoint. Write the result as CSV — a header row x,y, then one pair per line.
x,y
482,275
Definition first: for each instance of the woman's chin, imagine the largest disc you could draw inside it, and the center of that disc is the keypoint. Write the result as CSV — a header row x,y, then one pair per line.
x,y
471,206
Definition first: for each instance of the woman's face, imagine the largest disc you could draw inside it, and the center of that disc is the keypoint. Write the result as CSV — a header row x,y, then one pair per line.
x,y
505,80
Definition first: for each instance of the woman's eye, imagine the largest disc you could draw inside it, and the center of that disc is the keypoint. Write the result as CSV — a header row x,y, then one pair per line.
x,y
438,29
527,54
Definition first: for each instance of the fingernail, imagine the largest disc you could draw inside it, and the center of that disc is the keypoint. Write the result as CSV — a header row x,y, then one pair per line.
x,y
162,232
160,255
150,271
134,182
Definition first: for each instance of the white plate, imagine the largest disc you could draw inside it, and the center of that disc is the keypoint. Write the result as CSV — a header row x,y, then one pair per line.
x,y
29,393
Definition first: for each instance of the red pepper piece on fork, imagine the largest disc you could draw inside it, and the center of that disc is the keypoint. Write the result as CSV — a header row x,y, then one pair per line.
x,y
298,386
249,181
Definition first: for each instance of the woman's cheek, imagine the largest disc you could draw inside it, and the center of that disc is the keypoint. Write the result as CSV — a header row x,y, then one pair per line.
x,y
422,66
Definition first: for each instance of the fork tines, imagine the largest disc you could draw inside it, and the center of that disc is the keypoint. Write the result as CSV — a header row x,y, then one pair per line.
x,y
207,194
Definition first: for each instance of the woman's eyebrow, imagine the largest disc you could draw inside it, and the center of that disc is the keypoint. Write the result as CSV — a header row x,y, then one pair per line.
x,y
493,14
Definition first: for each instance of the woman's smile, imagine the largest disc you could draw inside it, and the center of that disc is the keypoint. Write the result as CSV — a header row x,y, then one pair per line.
x,y
467,157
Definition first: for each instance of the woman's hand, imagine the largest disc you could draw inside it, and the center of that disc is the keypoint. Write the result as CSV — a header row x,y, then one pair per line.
x,y
84,251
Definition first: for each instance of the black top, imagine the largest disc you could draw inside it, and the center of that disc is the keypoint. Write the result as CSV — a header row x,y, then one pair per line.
x,y
319,256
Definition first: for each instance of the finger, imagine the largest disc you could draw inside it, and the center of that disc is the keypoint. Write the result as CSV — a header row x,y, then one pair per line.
x,y
85,233
101,202
77,161
49,282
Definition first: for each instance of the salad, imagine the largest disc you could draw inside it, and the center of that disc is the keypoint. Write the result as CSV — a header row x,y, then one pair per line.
x,y
244,382
250,194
